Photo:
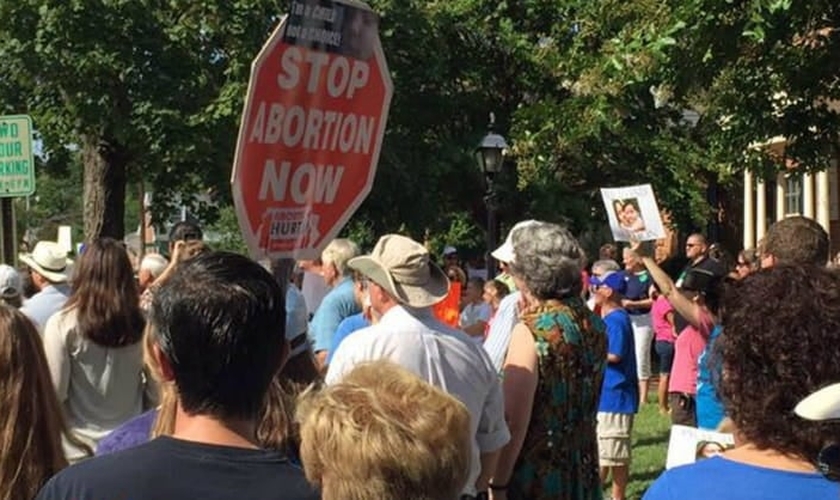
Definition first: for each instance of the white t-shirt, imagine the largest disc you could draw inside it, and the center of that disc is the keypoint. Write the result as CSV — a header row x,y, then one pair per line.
x,y
446,358
473,313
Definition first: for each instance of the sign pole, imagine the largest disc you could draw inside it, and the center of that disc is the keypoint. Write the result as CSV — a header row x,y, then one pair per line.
x,y
17,176
7,214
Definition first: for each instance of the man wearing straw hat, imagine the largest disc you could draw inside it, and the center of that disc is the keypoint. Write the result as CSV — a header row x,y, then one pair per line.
x,y
404,285
48,267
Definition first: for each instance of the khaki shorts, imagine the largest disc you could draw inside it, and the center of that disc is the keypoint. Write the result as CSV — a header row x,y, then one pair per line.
x,y
614,444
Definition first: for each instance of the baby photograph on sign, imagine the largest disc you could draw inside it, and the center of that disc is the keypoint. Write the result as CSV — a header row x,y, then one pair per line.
x,y
633,213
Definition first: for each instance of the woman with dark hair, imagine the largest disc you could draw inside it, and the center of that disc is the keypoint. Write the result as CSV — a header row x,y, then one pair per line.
x,y
31,421
552,374
93,345
779,343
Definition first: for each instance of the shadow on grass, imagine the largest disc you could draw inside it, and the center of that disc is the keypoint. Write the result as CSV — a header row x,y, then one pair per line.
x,y
652,441
647,476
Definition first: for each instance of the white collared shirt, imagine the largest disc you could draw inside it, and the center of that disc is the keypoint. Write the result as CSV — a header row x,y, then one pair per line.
x,y
443,356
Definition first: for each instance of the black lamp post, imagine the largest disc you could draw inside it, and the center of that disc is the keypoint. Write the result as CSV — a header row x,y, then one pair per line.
x,y
490,157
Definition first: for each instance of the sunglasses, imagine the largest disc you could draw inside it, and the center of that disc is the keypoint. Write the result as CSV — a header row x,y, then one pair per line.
x,y
741,264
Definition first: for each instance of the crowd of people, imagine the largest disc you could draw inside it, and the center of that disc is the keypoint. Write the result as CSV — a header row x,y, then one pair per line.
x,y
203,375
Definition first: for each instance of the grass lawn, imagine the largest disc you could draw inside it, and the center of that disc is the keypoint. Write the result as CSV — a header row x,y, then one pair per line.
x,y
650,445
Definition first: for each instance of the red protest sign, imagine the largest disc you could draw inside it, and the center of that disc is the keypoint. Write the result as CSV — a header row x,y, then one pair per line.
x,y
312,128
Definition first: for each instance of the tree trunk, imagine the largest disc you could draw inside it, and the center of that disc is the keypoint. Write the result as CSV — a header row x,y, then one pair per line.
x,y
105,165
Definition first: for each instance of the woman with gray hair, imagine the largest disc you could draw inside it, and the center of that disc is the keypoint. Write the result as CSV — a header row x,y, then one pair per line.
x,y
552,374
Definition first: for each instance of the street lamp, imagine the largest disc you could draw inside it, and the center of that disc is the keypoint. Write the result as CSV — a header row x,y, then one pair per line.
x,y
490,157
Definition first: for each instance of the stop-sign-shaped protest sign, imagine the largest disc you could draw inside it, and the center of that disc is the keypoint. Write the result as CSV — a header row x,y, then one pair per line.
x,y
312,128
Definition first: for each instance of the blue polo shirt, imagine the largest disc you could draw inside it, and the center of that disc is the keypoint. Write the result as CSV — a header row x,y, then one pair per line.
x,y
620,389
347,326
339,303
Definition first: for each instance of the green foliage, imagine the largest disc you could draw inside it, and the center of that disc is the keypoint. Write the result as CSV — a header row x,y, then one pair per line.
x,y
462,233
758,70
588,94
361,232
151,89
57,200
224,234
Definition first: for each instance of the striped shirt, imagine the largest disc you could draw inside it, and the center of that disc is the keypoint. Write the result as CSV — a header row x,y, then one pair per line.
x,y
501,328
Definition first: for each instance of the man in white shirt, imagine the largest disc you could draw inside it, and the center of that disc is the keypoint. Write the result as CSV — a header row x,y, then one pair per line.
x,y
403,286
48,267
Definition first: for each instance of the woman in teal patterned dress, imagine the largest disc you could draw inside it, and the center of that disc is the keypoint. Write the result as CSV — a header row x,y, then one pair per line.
x,y
552,375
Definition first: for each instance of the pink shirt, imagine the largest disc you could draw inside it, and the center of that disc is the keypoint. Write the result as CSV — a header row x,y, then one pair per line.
x,y
663,330
687,349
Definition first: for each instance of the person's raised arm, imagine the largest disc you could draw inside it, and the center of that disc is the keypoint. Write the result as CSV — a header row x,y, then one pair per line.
x,y
684,306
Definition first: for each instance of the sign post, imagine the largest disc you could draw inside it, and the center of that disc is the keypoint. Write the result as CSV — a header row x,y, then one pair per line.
x,y
311,129
17,175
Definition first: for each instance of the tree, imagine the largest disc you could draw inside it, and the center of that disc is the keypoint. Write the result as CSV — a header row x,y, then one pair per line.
x,y
759,70
588,93
57,201
142,89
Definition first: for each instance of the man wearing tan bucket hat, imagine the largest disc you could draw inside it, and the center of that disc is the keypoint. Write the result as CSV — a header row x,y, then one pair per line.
x,y
403,285
48,268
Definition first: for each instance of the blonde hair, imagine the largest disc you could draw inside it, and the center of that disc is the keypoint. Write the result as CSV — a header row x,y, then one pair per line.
x,y
338,253
164,424
383,433
32,422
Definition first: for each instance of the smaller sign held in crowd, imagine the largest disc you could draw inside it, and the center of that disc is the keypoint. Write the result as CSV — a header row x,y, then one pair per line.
x,y
633,213
689,444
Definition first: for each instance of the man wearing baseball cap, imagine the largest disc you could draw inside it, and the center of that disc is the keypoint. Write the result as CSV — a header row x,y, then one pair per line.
x,y
620,388
404,284
11,288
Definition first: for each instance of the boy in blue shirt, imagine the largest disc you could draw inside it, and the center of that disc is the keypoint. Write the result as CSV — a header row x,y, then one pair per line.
x,y
620,389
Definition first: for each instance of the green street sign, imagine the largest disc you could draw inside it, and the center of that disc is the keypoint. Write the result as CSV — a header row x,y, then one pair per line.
x,y
17,163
